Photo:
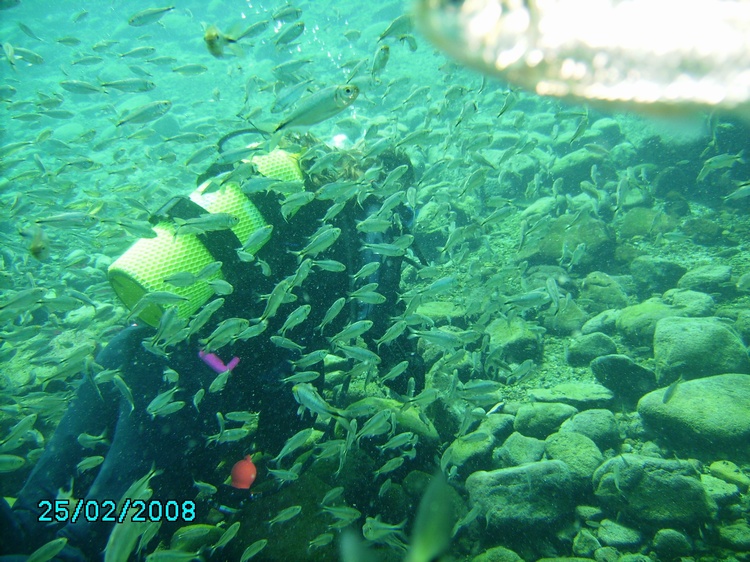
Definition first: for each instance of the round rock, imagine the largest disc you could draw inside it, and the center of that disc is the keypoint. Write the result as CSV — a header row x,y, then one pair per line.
x,y
603,292
611,533
584,349
697,347
706,278
670,544
599,425
577,451
637,323
708,417
736,536
536,494
541,419
655,275
517,450
604,322
655,492
623,376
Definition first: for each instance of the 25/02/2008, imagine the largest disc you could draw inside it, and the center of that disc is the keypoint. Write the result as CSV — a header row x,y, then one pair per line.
x,y
107,511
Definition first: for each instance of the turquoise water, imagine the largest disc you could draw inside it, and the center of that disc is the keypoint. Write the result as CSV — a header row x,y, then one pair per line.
x,y
589,261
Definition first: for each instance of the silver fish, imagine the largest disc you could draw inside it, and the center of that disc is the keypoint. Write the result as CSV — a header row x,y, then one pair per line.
x,y
332,312
80,87
146,113
320,106
285,515
150,15
289,33
10,463
48,551
130,85
253,549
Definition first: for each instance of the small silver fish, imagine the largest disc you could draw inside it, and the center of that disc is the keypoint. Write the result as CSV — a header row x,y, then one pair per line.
x,y
150,15
285,515
289,33
80,87
146,113
208,222
320,106
130,85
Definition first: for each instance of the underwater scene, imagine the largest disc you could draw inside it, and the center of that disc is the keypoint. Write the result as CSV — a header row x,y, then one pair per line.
x,y
354,281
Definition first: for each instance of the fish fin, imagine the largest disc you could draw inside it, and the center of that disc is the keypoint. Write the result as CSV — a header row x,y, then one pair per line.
x,y
264,128
235,31
236,49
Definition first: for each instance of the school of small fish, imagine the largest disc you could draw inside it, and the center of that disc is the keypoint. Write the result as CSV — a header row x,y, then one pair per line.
x,y
520,205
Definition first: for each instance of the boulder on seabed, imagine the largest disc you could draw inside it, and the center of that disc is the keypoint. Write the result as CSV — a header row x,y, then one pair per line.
x,y
532,495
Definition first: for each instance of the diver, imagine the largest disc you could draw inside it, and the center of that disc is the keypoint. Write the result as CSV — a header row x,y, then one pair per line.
x,y
181,441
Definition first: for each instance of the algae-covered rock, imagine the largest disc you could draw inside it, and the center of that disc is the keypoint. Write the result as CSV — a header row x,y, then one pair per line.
x,y
568,319
584,349
517,340
644,222
609,129
544,245
708,417
631,557
585,543
655,275
499,425
653,491
671,544
576,164
689,303
532,495
472,451
599,425
609,554
497,554
613,534
697,347
706,278
579,452
517,450
637,323
742,325
735,536
541,419
564,559
581,395
723,493
604,322
623,376
730,472
601,292
703,231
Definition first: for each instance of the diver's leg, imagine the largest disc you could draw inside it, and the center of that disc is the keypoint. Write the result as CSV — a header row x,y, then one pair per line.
x,y
57,466
141,443
124,463
89,412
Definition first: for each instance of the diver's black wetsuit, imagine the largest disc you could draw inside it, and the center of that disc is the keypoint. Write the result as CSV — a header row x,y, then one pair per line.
x,y
176,444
